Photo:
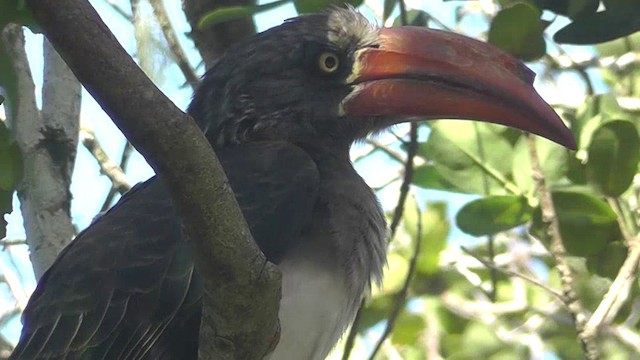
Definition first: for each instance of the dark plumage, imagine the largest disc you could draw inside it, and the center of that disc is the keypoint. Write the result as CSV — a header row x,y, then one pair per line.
x,y
282,111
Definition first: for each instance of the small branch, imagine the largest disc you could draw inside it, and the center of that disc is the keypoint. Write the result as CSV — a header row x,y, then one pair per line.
x,y
124,160
493,275
619,64
534,281
401,297
112,170
550,221
626,335
6,243
618,292
432,337
120,11
386,149
15,286
391,181
412,149
351,337
174,45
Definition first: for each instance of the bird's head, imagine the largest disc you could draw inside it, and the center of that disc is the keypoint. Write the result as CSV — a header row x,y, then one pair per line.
x,y
334,78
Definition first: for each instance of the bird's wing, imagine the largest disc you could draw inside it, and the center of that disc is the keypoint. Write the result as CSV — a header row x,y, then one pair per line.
x,y
125,288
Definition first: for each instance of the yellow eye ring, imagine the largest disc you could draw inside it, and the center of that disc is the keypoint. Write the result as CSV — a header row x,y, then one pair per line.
x,y
328,62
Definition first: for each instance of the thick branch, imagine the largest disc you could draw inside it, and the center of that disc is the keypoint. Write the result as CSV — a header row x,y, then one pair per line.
x,y
241,290
48,143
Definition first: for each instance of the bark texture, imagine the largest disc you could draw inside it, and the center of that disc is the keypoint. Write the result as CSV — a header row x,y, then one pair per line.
x,y
241,289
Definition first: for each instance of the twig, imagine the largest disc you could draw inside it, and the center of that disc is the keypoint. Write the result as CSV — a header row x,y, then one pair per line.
x,y
412,149
15,286
120,11
401,297
432,337
351,337
493,275
386,149
391,181
6,242
625,335
534,281
174,45
124,160
618,292
550,221
107,166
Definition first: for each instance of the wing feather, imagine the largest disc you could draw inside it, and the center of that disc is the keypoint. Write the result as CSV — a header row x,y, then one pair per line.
x,y
126,287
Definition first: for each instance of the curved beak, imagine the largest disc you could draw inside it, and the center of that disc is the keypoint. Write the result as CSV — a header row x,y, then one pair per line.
x,y
432,74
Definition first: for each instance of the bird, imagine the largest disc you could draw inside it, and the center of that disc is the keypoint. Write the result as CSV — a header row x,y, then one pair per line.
x,y
281,110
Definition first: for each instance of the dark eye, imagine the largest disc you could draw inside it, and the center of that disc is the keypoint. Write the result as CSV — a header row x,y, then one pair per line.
x,y
328,62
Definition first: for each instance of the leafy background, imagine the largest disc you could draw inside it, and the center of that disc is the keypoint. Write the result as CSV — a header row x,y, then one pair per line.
x,y
479,273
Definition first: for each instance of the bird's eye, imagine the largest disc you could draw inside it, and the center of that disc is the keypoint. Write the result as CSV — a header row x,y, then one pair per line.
x,y
328,62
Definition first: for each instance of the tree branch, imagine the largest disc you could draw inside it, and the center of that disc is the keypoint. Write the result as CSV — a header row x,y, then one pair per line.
x,y
559,253
48,142
109,168
124,160
174,45
401,297
241,289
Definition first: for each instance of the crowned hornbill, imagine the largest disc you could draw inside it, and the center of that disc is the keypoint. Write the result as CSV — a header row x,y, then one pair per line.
x,y
282,110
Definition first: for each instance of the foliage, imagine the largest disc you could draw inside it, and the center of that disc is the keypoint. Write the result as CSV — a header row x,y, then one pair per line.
x,y
11,11
507,306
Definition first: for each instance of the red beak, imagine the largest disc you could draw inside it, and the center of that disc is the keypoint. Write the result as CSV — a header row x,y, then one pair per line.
x,y
431,74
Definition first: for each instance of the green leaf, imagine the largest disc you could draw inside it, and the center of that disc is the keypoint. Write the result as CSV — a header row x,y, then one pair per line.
x,y
587,224
8,80
472,157
229,13
5,208
312,6
570,8
389,5
375,311
519,31
407,329
596,111
600,27
553,160
428,177
613,157
580,8
414,18
11,166
395,273
608,262
615,4
435,231
493,214
15,11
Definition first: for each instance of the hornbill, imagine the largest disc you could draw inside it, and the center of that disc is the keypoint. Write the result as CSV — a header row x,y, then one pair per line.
x,y
281,110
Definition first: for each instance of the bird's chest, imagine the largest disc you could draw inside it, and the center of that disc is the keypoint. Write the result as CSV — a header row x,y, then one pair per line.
x,y
325,277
